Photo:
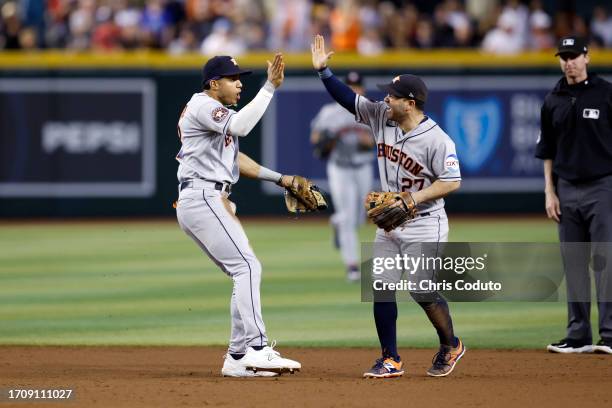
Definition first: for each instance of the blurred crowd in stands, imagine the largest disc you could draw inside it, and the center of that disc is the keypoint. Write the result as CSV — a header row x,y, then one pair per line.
x,y
233,27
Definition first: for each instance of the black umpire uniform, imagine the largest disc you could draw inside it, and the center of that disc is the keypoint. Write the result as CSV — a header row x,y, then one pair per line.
x,y
576,136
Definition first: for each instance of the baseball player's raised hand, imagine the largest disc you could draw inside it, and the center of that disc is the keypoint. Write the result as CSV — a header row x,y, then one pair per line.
x,y
319,56
276,70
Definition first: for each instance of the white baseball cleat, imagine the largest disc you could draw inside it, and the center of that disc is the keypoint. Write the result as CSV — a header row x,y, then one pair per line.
x,y
236,368
268,359
567,346
603,346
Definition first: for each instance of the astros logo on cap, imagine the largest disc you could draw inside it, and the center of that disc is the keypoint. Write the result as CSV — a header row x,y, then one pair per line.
x,y
234,61
568,41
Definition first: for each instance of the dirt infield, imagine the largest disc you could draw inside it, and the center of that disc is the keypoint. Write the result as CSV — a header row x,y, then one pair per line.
x,y
189,377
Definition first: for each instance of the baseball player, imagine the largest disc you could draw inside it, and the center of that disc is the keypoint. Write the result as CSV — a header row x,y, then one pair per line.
x,y
348,147
210,165
417,160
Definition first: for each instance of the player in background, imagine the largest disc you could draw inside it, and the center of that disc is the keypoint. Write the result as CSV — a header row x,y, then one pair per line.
x,y
416,158
347,146
210,164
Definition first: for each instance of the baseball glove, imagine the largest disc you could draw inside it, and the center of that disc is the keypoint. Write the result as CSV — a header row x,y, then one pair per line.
x,y
323,148
303,196
389,210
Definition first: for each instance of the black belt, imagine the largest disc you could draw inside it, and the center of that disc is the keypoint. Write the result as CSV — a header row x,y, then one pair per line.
x,y
226,188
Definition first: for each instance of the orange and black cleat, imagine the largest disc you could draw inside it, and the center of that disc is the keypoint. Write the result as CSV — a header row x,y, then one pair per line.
x,y
445,360
385,367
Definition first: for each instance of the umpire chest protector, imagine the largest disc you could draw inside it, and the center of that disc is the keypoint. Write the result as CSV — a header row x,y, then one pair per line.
x,y
576,129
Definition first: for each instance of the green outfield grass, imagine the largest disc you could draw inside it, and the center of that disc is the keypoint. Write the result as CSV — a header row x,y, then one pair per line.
x,y
146,283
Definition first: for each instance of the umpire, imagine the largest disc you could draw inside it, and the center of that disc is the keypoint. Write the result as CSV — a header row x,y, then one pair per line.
x,y
575,144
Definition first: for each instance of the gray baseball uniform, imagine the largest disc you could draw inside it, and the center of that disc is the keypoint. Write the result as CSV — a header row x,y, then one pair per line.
x,y
208,167
410,162
349,171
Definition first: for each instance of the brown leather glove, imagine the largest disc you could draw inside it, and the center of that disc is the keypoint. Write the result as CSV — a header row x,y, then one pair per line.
x,y
389,210
303,196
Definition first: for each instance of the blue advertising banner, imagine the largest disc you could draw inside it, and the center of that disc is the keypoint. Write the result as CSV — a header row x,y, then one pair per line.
x,y
77,137
494,122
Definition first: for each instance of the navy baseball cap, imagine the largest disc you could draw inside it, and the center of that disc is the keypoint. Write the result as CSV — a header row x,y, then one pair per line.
x,y
406,86
221,66
572,45
354,78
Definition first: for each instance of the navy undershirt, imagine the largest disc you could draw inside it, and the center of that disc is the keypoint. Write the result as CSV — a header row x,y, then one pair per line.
x,y
341,92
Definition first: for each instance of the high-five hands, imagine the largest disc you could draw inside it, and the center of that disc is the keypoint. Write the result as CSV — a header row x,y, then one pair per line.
x,y
276,70
319,56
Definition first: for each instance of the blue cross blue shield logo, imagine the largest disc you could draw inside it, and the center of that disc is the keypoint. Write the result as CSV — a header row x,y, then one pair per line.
x,y
475,127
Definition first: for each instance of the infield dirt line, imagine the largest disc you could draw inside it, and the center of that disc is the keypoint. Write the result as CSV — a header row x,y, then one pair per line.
x,y
189,376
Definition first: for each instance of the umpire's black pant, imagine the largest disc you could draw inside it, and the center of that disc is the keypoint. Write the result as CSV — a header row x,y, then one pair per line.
x,y
586,216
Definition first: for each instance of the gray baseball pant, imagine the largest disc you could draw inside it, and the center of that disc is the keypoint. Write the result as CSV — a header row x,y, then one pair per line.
x,y
207,216
586,216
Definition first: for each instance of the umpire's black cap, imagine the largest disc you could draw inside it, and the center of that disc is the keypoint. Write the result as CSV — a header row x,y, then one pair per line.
x,y
572,45
221,66
406,86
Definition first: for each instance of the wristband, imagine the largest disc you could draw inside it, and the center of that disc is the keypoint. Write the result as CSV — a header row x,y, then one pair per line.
x,y
325,73
269,175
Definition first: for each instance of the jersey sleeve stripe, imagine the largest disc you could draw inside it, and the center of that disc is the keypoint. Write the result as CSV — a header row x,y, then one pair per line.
x,y
227,123
381,131
357,112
